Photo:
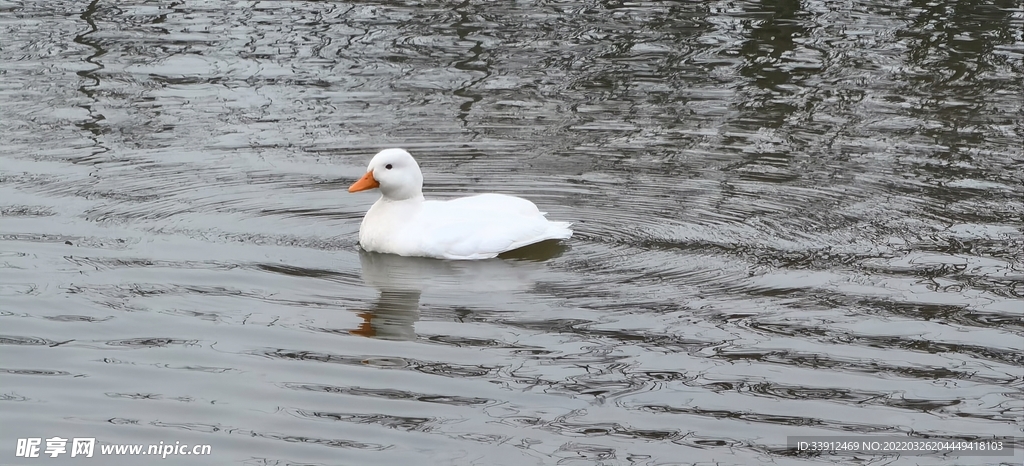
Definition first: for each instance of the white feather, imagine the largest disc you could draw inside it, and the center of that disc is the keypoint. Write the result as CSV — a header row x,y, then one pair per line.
x,y
476,227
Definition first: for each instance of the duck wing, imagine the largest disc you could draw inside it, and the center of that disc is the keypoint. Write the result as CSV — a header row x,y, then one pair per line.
x,y
482,226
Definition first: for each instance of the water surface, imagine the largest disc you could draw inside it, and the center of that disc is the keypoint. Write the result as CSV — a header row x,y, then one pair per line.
x,y
792,218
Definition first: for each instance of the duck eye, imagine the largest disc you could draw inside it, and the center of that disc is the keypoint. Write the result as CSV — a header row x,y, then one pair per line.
x,y
388,166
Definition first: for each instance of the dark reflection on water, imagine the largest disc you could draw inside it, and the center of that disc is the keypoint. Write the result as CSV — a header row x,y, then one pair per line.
x,y
401,282
792,218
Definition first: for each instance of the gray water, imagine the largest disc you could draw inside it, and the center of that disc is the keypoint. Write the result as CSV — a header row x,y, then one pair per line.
x,y
792,218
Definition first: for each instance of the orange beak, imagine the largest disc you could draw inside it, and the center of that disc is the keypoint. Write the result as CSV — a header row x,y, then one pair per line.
x,y
364,183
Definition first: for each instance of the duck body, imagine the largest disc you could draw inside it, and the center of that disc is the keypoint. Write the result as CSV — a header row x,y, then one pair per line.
x,y
403,222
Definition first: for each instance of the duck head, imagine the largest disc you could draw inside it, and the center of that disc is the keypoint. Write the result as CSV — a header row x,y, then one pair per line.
x,y
395,172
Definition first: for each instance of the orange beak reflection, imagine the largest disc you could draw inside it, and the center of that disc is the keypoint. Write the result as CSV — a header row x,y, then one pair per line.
x,y
364,183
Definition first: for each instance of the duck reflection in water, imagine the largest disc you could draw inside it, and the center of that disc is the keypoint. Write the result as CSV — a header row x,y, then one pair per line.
x,y
402,281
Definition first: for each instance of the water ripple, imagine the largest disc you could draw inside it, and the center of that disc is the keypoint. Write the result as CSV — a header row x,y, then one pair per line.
x,y
791,219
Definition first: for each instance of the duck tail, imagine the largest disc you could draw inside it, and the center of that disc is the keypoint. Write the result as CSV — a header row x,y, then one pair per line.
x,y
561,230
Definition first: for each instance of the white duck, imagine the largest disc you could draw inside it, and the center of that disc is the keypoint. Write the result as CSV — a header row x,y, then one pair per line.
x,y
476,227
